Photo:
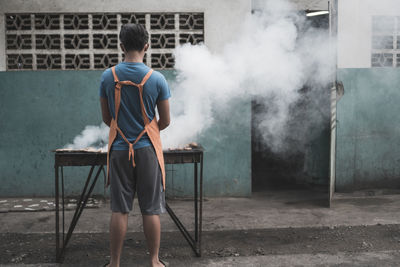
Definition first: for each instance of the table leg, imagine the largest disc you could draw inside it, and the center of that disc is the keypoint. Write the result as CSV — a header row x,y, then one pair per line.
x,y
181,227
78,204
81,204
195,242
196,208
63,204
201,203
57,218
78,211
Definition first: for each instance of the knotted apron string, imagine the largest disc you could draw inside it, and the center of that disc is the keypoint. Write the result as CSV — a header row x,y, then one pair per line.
x,y
132,154
131,150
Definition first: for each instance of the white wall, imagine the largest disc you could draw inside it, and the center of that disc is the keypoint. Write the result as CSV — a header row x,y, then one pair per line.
x,y
221,17
299,4
354,29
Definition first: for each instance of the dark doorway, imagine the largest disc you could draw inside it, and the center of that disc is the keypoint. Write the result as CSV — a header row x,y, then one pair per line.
x,y
300,166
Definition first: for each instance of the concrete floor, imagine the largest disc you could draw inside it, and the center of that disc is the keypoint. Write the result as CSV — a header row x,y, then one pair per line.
x,y
381,259
277,209
267,210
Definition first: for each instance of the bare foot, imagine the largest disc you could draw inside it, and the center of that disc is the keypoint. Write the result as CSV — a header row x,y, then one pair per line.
x,y
157,264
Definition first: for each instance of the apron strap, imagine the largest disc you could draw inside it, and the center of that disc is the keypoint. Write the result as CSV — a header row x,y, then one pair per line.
x,y
146,77
117,100
114,74
142,108
144,80
141,85
117,93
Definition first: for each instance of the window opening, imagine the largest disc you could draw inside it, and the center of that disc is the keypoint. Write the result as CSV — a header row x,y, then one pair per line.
x,y
42,41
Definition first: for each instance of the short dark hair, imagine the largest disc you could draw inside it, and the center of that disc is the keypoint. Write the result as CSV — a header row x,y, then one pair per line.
x,y
133,36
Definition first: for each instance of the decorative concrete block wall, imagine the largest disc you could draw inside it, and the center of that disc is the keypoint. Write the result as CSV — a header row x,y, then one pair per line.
x,y
50,67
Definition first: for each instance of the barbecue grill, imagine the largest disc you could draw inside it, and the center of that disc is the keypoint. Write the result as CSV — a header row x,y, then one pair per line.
x,y
93,158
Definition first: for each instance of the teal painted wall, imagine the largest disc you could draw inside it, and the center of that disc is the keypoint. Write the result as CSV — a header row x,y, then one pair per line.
x,y
368,129
44,110
227,158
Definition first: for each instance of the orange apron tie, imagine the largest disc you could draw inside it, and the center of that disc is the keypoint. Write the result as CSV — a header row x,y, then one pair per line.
x,y
151,128
132,154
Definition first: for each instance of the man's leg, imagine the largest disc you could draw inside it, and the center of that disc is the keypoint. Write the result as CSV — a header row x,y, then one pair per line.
x,y
118,226
152,231
151,198
121,195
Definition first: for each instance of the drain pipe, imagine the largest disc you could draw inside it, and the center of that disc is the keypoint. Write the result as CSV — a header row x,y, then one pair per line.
x,y
332,163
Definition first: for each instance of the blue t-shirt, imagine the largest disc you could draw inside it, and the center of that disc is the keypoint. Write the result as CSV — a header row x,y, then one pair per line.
x,y
130,119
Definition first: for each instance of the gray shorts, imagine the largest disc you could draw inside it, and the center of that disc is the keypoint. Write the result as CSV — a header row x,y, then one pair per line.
x,y
145,179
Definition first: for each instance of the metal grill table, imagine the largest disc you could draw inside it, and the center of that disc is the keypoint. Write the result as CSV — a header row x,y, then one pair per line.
x,y
99,159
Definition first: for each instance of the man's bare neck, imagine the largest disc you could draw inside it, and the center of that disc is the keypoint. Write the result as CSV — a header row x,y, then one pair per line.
x,y
134,57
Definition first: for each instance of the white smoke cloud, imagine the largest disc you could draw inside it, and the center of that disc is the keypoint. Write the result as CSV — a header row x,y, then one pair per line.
x,y
269,59
91,136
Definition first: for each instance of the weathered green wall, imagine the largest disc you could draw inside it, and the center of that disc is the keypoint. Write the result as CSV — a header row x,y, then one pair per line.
x,y
227,158
44,110
368,129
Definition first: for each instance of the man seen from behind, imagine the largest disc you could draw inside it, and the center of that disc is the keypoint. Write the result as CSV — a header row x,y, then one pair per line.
x,y
129,95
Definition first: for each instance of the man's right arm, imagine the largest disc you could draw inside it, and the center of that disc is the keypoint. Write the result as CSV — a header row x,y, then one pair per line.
x,y
163,112
105,111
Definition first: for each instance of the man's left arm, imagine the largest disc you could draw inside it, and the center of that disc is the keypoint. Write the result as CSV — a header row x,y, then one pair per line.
x,y
163,103
163,112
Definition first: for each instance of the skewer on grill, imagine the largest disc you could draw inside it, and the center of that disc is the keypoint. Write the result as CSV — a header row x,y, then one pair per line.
x,y
186,147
